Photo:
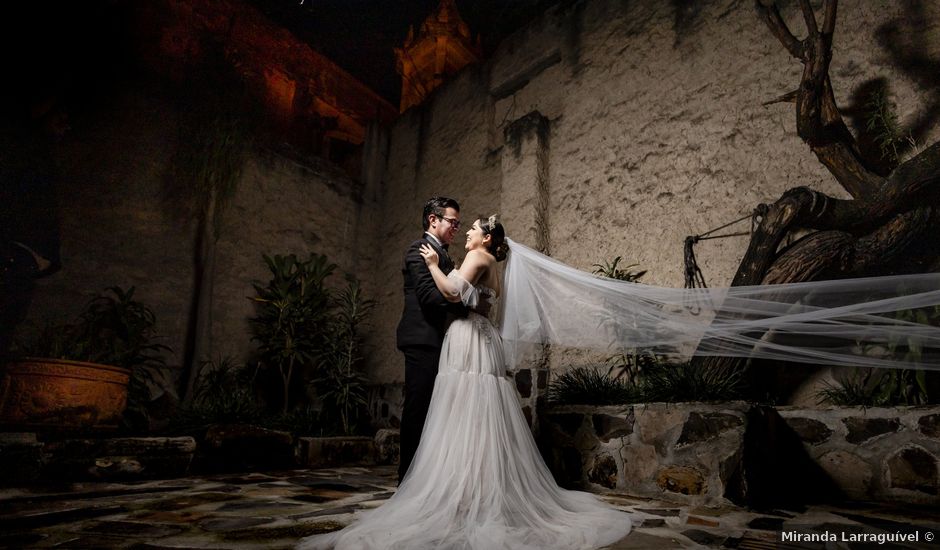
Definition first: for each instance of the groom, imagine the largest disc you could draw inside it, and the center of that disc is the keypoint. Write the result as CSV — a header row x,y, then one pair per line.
x,y
424,320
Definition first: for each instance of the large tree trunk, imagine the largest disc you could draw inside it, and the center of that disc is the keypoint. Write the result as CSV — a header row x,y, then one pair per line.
x,y
886,228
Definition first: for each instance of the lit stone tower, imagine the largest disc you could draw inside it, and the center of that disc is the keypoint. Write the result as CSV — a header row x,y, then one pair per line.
x,y
442,47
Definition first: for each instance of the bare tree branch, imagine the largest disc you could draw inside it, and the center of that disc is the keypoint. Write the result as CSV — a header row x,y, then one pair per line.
x,y
829,17
771,16
789,97
818,120
809,18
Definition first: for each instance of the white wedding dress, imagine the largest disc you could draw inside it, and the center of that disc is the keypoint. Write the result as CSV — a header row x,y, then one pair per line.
x,y
478,481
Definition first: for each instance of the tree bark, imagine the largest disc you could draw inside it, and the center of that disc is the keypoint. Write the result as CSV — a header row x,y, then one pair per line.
x,y
888,225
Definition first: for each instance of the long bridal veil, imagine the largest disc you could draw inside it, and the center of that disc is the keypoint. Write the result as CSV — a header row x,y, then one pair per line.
x,y
887,321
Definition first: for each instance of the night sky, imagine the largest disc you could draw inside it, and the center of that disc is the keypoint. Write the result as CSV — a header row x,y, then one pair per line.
x,y
81,48
359,34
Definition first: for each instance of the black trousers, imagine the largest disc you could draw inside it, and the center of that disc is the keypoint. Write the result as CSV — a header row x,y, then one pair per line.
x,y
420,372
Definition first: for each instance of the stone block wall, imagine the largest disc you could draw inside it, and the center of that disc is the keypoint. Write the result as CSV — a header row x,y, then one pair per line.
x,y
876,453
684,452
698,453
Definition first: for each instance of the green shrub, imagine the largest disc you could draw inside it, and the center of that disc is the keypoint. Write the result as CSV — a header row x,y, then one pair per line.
x,y
588,386
877,388
681,382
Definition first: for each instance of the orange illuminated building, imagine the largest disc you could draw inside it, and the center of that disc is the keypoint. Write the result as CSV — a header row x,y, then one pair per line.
x,y
322,107
442,47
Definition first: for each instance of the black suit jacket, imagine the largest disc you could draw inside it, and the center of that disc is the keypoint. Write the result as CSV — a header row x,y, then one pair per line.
x,y
424,317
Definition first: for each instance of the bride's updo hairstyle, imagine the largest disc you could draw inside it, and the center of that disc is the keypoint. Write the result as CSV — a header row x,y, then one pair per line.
x,y
498,246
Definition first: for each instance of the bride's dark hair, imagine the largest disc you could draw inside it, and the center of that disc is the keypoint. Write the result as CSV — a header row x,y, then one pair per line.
x,y
498,246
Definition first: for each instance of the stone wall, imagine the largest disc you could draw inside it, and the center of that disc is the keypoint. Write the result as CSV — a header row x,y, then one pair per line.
x,y
688,452
609,128
119,227
698,453
874,454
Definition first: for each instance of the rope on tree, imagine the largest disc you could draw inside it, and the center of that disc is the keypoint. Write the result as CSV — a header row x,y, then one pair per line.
x,y
693,274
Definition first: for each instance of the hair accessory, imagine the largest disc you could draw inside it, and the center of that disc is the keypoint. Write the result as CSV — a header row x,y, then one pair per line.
x,y
492,221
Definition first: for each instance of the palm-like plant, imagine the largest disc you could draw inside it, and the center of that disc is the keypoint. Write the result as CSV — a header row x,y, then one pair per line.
x,y
612,270
292,309
343,387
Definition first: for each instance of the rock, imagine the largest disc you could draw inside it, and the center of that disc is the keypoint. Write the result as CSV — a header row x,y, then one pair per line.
x,y
914,469
119,458
707,426
852,474
863,429
695,520
681,479
608,427
704,538
659,425
387,446
809,430
604,471
930,425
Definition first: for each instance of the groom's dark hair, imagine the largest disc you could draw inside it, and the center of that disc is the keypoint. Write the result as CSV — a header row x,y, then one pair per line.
x,y
437,206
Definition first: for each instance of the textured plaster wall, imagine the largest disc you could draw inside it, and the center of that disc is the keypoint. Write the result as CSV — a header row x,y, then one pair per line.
x,y
657,131
120,227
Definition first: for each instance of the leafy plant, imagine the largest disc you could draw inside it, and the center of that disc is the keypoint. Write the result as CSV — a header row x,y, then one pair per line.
x,y
112,329
882,122
685,381
343,388
588,386
877,388
223,394
629,366
886,388
301,421
613,271
293,308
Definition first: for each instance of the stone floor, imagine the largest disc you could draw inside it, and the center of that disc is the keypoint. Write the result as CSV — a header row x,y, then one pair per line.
x,y
275,510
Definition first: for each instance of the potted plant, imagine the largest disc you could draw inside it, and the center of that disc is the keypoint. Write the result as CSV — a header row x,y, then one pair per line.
x,y
77,375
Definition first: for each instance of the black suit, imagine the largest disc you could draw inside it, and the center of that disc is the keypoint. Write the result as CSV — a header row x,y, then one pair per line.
x,y
420,335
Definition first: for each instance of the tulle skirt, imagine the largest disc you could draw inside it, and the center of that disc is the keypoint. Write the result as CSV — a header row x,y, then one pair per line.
x,y
477,480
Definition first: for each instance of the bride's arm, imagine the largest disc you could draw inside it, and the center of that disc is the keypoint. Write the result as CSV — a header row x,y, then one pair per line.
x,y
471,269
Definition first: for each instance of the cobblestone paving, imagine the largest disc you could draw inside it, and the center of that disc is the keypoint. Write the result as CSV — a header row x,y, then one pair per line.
x,y
275,510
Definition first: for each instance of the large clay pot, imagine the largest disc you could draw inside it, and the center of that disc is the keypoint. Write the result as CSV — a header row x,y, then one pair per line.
x,y
60,394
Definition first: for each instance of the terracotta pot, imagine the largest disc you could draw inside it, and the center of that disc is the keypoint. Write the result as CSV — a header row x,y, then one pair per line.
x,y
56,393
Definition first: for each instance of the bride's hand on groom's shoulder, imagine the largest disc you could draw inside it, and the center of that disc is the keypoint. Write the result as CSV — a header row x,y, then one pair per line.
x,y
429,254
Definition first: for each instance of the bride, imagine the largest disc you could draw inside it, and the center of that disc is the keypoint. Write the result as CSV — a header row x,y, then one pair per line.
x,y
477,480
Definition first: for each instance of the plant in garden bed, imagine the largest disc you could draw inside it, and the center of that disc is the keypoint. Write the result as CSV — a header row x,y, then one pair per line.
x,y
303,325
223,395
343,387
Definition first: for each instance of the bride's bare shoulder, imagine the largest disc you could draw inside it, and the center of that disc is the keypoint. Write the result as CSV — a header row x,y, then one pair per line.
x,y
480,256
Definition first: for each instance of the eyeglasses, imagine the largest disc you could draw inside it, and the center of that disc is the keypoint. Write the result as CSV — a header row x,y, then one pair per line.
x,y
452,221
